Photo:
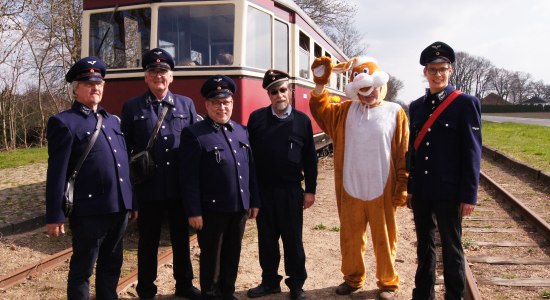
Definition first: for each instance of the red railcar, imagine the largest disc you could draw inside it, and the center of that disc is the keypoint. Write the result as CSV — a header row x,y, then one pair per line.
x,y
237,38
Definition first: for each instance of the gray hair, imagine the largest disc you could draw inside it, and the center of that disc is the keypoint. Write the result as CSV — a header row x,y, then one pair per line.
x,y
73,86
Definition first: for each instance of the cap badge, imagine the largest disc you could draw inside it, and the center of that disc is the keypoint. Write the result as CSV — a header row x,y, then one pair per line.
x,y
436,46
219,88
158,60
158,52
217,79
437,53
273,78
91,62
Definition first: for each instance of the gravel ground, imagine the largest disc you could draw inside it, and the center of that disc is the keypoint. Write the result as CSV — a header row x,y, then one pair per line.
x,y
22,193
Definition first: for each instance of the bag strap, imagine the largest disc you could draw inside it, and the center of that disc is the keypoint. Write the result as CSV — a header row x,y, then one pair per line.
x,y
88,148
434,117
156,129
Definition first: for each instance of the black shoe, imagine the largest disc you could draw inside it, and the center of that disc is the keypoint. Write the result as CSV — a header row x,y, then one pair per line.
x,y
262,290
345,289
297,294
192,293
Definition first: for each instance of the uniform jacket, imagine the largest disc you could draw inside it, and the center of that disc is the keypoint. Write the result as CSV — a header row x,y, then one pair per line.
x,y
219,173
446,165
284,150
138,121
103,184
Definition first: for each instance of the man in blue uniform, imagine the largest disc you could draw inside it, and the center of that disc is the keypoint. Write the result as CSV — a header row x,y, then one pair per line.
x,y
282,141
102,189
444,171
219,187
158,196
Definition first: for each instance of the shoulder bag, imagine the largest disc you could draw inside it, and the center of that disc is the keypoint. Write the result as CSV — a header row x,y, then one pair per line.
x,y
142,165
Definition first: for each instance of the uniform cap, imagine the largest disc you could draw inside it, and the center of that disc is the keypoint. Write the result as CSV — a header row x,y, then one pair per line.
x,y
87,69
157,59
437,52
272,77
218,86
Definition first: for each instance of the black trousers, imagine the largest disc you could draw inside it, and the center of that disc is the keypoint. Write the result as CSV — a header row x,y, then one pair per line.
x,y
96,241
220,242
446,216
281,217
151,216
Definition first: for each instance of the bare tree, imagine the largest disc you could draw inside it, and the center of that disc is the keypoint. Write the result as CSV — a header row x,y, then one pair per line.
x,y
519,86
538,89
8,99
335,17
51,31
9,38
499,81
394,86
346,37
327,13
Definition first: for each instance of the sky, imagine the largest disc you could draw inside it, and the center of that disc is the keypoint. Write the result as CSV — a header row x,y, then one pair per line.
x,y
511,34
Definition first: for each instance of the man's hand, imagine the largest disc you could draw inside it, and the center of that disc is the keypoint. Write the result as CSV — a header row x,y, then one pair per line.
x,y
466,209
196,222
253,212
55,229
309,199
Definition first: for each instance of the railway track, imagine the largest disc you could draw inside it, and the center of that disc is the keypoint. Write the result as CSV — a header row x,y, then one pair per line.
x,y
507,239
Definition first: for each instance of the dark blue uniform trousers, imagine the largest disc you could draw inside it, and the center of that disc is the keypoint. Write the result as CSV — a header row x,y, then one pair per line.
x,y
446,216
151,216
220,242
281,216
96,239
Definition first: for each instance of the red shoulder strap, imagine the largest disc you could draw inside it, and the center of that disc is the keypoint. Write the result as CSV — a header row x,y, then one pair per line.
x,y
434,117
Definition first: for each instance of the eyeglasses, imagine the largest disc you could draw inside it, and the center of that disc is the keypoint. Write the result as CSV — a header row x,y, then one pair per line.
x,y
157,72
434,71
221,103
90,84
281,90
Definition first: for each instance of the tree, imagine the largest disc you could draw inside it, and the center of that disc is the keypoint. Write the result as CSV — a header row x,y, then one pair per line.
x,y
327,13
346,37
394,86
335,17
470,74
519,86
499,81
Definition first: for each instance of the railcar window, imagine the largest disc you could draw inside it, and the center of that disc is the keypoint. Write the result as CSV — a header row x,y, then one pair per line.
x,y
120,39
198,35
318,52
258,39
281,46
303,56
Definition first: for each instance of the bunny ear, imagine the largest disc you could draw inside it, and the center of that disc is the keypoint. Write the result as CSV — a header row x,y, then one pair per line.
x,y
344,66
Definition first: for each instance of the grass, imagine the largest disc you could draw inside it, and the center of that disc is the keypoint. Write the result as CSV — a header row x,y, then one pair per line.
x,y
529,144
21,157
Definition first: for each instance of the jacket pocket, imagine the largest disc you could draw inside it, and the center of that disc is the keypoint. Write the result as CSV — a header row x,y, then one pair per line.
x,y
295,145
215,153
179,121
